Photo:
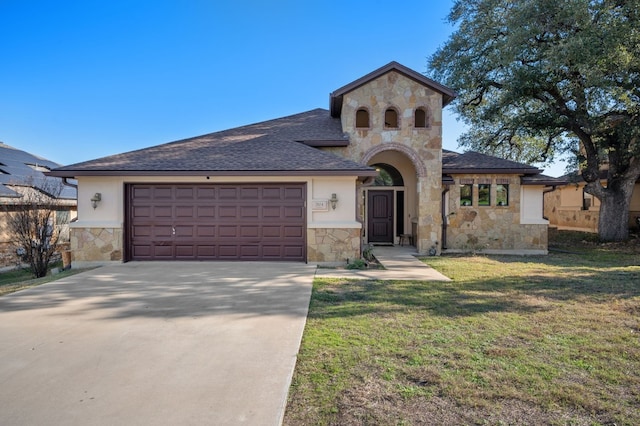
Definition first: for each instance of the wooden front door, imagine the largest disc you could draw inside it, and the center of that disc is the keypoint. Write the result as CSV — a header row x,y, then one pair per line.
x,y
380,216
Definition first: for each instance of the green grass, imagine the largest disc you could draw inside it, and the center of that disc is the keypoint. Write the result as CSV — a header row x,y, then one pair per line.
x,y
511,340
20,279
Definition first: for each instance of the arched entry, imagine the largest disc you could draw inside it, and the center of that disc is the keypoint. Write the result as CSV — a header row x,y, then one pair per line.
x,y
400,174
385,205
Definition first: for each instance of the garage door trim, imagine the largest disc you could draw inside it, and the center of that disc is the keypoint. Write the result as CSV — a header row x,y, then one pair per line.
x,y
272,223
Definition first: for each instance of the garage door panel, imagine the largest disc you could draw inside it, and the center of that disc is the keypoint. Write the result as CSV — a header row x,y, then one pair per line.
x,y
293,231
293,193
249,252
162,251
143,192
228,231
272,252
216,221
248,212
228,193
228,211
206,251
142,211
272,231
250,231
185,251
205,193
142,251
185,192
293,212
206,231
271,193
205,212
162,211
184,231
251,193
160,193
292,252
228,251
184,211
271,211
162,231
142,231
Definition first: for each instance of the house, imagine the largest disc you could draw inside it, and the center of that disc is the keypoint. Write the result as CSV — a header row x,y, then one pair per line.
x,y
21,172
314,186
571,208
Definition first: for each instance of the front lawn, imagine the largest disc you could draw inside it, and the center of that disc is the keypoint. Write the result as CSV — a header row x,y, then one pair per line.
x,y
512,340
20,279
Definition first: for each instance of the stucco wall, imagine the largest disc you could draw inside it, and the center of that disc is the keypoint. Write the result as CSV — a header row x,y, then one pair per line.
x,y
421,146
565,209
98,234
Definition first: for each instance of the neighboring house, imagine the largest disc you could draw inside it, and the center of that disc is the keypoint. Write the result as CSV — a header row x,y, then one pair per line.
x,y
571,208
21,172
314,186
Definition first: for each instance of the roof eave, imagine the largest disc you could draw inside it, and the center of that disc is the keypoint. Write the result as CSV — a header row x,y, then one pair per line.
x,y
346,172
459,170
326,143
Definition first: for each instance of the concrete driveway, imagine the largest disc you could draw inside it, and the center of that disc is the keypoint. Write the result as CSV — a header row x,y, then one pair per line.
x,y
178,343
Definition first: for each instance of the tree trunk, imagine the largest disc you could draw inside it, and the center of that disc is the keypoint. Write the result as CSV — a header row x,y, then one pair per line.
x,y
613,224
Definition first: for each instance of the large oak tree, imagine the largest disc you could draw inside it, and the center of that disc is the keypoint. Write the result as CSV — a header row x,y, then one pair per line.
x,y
539,78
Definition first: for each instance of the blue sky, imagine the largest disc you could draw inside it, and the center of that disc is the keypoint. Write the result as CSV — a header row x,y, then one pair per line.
x,y
85,79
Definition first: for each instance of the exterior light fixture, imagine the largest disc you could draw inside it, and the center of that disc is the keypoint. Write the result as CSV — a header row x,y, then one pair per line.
x,y
334,201
97,197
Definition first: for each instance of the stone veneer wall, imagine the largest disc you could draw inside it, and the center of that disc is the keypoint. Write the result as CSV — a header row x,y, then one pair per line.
x,y
423,146
96,244
333,245
491,228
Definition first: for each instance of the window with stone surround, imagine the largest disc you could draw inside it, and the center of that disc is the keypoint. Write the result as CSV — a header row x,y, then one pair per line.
x,y
362,118
466,192
391,119
484,194
502,192
420,118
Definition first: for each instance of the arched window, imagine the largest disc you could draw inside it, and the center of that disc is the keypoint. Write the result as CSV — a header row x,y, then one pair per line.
x,y
391,118
387,175
420,118
362,118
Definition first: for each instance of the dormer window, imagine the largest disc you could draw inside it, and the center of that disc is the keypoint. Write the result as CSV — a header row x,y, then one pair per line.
x,y
362,119
391,118
420,118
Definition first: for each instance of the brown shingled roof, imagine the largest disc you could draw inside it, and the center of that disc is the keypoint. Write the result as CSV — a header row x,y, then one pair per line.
x,y
269,147
475,162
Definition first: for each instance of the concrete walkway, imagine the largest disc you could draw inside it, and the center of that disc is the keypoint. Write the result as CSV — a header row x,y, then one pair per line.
x,y
400,264
155,343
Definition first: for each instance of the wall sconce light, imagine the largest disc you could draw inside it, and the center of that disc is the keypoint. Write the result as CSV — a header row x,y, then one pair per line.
x,y
334,201
97,197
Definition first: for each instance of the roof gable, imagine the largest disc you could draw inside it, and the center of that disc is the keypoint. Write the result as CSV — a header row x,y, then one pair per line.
x,y
336,97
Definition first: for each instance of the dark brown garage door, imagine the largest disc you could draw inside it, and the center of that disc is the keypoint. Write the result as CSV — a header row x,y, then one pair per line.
x,y
223,222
